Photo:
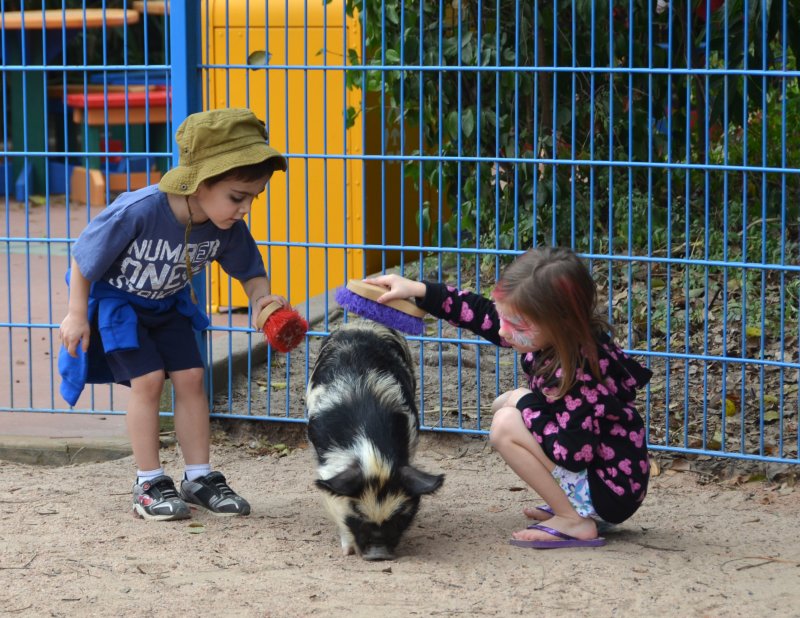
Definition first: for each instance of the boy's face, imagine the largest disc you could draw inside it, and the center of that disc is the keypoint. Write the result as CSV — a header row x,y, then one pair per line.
x,y
227,201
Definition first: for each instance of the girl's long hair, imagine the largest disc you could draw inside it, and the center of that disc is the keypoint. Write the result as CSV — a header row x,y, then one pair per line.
x,y
553,288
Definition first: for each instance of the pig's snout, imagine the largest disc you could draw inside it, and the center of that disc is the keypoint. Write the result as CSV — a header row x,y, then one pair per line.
x,y
378,552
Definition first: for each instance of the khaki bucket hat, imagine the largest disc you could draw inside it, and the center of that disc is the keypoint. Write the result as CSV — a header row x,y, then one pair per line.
x,y
216,141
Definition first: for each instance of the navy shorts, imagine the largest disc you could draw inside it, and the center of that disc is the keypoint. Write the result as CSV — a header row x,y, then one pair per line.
x,y
167,343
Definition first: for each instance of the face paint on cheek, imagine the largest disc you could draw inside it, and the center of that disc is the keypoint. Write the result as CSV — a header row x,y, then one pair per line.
x,y
519,333
521,339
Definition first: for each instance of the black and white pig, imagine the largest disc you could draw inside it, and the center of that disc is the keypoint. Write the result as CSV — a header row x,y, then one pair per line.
x,y
363,425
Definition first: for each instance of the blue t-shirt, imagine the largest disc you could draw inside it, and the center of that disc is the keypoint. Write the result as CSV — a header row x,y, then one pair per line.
x,y
137,246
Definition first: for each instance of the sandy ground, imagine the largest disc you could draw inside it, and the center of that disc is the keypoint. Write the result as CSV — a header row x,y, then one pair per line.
x,y
698,547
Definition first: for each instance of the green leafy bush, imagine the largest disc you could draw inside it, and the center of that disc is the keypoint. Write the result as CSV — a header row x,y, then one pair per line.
x,y
528,114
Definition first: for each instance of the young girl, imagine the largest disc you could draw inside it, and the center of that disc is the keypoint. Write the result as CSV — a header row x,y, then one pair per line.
x,y
132,313
573,434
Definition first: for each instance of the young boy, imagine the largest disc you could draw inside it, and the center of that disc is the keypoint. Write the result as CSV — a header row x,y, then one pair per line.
x,y
132,311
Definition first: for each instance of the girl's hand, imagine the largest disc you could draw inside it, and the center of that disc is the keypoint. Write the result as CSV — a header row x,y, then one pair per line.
x,y
75,329
399,287
265,300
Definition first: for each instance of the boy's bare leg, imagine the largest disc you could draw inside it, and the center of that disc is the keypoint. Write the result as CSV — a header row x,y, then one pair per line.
x,y
142,419
192,425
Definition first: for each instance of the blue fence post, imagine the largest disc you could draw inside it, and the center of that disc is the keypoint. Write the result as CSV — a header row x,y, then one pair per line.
x,y
184,44
185,54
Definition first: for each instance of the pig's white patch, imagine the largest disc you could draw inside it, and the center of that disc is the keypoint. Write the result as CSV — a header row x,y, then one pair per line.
x,y
377,471
378,511
372,463
382,387
339,508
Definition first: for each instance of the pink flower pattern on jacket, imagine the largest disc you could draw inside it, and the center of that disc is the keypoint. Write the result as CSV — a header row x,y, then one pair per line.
x,y
594,427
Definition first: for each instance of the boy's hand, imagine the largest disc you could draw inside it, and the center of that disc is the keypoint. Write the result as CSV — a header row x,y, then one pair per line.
x,y
265,300
75,329
399,287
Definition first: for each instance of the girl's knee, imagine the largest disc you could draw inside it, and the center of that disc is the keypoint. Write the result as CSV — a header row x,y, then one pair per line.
x,y
500,402
509,398
505,423
517,394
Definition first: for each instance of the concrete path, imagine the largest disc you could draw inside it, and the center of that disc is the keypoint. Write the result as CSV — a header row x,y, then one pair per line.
x,y
57,439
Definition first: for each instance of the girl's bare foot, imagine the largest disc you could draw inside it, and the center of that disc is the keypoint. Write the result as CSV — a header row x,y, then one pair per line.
x,y
537,513
583,528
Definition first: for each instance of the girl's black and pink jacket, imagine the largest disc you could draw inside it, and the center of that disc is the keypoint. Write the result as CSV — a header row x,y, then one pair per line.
x,y
594,427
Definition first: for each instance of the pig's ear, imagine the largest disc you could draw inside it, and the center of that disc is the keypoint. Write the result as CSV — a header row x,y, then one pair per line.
x,y
416,482
349,482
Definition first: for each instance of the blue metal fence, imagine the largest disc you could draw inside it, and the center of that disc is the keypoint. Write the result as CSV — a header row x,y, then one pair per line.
x,y
439,141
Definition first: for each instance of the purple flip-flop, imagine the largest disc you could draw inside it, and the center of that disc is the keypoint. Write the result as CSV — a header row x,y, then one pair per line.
x,y
602,526
565,540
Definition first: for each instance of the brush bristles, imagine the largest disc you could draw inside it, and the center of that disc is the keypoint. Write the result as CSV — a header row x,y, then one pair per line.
x,y
379,313
285,329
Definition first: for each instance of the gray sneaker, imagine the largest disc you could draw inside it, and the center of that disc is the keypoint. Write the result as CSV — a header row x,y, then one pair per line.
x,y
212,493
158,500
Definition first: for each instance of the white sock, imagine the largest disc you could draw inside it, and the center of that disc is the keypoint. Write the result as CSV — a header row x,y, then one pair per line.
x,y
148,475
194,471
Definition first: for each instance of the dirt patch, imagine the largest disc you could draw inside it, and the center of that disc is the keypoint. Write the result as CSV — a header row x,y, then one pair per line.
x,y
698,547
713,538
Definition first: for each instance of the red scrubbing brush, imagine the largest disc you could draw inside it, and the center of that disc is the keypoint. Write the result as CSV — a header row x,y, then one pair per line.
x,y
283,328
